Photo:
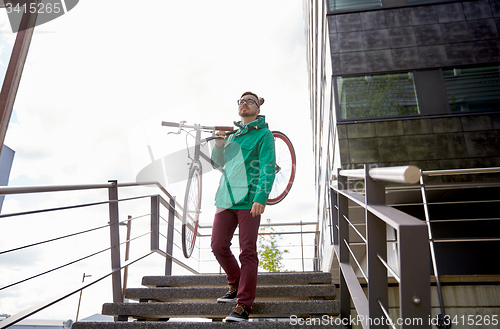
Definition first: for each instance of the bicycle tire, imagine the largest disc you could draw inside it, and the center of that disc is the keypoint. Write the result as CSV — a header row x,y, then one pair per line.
x,y
192,204
285,168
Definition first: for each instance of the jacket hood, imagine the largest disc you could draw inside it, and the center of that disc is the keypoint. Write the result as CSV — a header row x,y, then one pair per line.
x,y
259,124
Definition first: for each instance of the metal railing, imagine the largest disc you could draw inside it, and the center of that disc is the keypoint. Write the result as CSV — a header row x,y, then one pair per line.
x,y
156,202
433,240
161,227
411,239
295,251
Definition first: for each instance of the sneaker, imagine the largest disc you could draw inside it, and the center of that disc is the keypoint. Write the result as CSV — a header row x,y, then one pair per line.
x,y
229,297
239,314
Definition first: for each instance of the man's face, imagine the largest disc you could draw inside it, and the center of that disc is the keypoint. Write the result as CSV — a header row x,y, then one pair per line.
x,y
248,110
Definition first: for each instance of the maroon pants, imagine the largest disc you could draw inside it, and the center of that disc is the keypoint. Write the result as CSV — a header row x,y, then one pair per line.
x,y
245,278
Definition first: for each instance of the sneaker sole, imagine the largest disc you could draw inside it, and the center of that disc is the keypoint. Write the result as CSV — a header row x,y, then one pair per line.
x,y
225,300
235,319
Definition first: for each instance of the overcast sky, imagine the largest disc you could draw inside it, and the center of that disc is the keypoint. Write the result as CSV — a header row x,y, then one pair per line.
x,y
97,83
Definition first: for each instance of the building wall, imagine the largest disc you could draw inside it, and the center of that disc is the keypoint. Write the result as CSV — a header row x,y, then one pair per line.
x,y
471,141
415,37
423,40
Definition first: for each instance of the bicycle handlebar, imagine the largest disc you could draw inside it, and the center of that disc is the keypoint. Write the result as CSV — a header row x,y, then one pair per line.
x,y
224,128
183,124
170,124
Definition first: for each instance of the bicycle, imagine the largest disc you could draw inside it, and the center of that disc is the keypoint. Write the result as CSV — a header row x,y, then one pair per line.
x,y
285,175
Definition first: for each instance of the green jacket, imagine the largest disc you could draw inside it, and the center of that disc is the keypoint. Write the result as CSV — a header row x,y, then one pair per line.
x,y
249,163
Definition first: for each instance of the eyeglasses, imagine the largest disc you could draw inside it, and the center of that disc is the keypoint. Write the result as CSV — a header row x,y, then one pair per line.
x,y
248,101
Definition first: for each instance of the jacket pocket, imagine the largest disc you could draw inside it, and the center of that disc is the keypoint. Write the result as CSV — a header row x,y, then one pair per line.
x,y
240,195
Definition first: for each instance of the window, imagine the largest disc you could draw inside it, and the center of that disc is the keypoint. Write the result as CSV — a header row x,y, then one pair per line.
x,y
352,4
377,96
420,2
357,5
473,89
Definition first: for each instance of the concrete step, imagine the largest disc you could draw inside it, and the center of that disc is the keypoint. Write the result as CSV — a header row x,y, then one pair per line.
x,y
203,325
279,295
205,294
294,278
214,310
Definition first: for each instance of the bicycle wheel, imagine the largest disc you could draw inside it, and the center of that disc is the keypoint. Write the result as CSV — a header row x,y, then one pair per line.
x,y
285,168
191,213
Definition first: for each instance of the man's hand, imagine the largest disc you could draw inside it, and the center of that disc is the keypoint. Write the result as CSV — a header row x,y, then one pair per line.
x,y
257,209
219,142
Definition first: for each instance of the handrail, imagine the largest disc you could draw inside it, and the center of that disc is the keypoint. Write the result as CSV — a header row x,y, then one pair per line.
x,y
411,174
132,184
7,190
31,212
460,171
401,174
412,241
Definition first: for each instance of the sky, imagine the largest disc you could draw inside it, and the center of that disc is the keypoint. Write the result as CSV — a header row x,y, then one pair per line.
x,y
97,83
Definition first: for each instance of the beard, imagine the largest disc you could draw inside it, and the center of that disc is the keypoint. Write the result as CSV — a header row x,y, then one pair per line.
x,y
245,113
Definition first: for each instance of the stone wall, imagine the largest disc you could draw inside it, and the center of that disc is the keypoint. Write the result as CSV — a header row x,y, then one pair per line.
x,y
458,33
455,142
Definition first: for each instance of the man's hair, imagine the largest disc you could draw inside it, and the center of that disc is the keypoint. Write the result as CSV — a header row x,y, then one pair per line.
x,y
260,99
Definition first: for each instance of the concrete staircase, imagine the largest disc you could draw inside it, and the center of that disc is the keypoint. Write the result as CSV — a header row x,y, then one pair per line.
x,y
283,296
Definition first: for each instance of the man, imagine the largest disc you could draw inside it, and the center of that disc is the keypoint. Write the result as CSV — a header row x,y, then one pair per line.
x,y
249,165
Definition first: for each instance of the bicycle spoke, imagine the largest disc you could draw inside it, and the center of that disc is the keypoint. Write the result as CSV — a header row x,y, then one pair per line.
x,y
192,202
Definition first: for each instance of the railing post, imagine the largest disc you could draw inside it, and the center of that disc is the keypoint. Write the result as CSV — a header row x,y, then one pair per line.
x,y
302,245
343,237
114,225
334,232
316,260
376,237
170,238
441,316
155,222
127,255
414,288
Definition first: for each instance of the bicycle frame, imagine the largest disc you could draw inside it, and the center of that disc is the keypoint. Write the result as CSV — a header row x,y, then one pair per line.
x,y
192,198
198,141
